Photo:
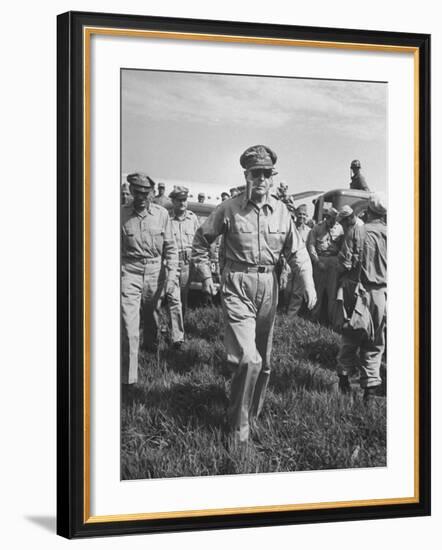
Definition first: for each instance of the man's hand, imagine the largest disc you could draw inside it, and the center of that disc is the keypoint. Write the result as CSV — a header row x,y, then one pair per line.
x,y
209,287
310,297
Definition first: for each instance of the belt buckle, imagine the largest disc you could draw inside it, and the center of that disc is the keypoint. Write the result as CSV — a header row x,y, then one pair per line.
x,y
261,269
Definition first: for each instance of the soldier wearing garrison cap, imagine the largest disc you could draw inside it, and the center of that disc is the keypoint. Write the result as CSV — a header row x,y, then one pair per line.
x,y
184,224
149,262
201,198
363,259
324,243
348,219
257,229
161,198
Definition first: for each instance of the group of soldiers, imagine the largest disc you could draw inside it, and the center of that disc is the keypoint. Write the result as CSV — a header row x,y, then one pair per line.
x,y
159,249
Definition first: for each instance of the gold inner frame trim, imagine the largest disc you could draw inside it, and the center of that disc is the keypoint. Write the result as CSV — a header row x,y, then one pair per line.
x,y
87,33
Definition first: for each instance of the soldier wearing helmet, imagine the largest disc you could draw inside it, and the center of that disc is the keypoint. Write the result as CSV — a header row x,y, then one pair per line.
x,y
357,179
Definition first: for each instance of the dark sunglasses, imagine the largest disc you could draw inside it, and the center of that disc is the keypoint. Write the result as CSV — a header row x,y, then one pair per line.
x,y
258,172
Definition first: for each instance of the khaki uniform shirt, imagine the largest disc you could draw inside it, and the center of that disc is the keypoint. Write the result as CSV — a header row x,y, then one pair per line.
x,y
148,235
324,241
303,231
358,182
251,235
364,252
184,230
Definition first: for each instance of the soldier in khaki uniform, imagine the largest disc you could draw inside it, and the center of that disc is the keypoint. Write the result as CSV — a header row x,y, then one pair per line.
x,y
294,285
256,229
149,260
363,259
184,225
358,181
161,198
324,242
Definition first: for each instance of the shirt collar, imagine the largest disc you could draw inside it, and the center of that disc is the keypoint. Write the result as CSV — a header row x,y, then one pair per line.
x,y
270,203
144,212
186,216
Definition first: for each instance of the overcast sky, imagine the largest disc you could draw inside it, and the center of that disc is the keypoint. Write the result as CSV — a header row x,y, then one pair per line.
x,y
193,127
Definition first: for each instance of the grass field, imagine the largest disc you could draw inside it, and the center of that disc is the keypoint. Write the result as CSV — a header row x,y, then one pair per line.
x,y
175,423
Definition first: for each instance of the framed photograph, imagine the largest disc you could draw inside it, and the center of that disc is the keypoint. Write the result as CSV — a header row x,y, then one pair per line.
x,y
226,192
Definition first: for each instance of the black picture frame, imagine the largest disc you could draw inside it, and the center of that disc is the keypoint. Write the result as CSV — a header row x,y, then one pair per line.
x,y
72,392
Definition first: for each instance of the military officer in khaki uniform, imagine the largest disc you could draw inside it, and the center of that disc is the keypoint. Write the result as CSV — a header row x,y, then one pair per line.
x,y
149,260
161,198
363,259
184,225
294,284
256,229
323,243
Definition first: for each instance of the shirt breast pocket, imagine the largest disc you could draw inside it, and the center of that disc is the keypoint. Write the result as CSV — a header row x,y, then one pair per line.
x,y
276,236
157,239
129,237
241,226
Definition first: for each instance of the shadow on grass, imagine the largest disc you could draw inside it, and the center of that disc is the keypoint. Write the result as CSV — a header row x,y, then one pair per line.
x,y
186,404
283,381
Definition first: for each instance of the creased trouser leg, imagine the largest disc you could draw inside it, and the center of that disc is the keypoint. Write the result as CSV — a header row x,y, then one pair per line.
x,y
151,301
319,279
177,304
296,296
371,352
176,314
131,289
356,351
265,322
249,305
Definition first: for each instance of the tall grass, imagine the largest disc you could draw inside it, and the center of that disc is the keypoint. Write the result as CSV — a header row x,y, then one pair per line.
x,y
174,425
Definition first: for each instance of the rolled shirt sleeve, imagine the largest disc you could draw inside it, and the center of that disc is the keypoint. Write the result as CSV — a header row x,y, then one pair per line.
x,y
170,250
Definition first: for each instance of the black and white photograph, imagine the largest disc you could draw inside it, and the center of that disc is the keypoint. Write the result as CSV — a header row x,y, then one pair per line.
x,y
253,274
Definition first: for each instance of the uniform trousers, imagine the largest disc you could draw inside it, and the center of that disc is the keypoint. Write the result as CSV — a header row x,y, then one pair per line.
x,y
141,288
177,302
359,352
295,290
249,302
326,284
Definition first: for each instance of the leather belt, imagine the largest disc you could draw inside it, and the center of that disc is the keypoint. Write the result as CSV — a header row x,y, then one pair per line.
x,y
248,268
143,261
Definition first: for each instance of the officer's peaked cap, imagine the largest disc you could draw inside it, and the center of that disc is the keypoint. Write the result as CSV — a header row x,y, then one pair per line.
x,y
258,156
179,192
141,179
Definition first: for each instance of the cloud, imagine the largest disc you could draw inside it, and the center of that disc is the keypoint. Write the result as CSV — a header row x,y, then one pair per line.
x,y
315,106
